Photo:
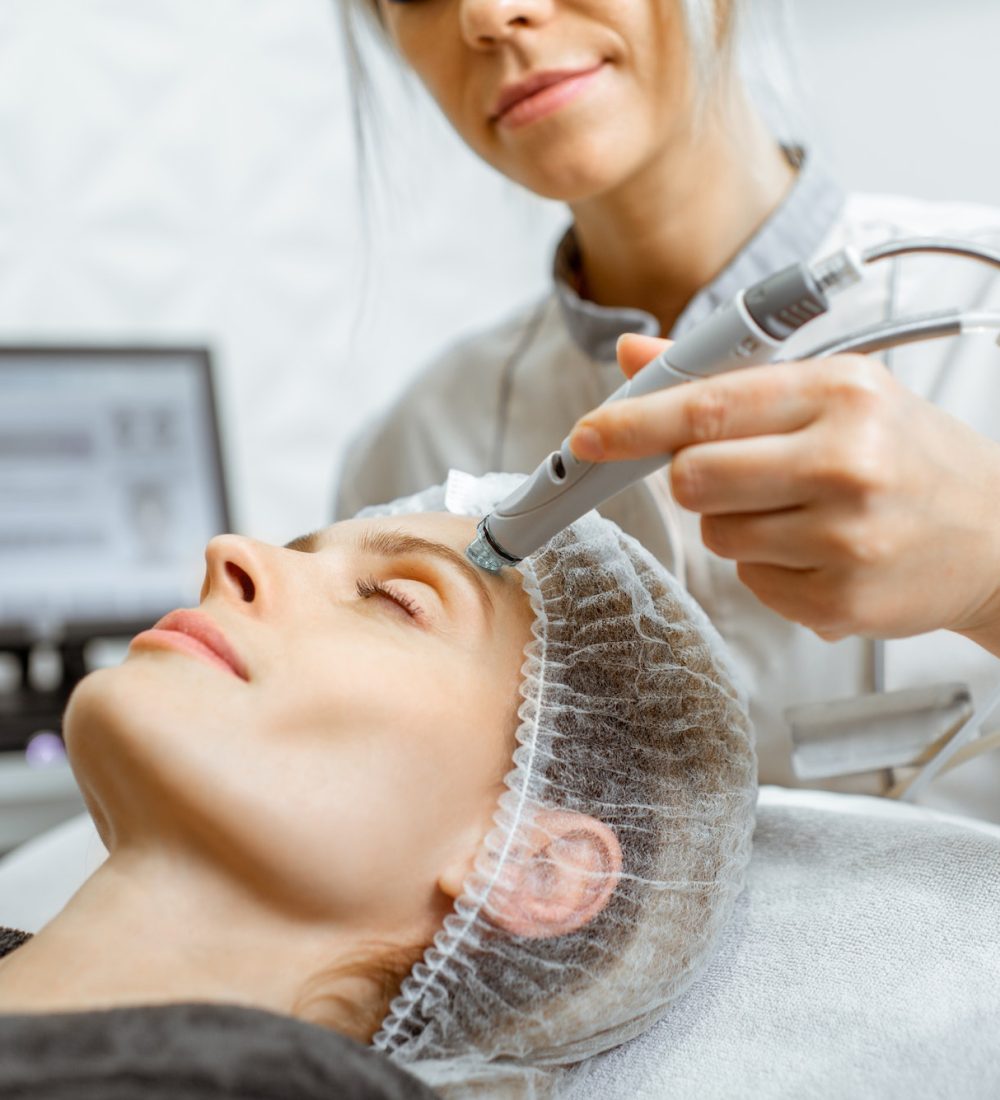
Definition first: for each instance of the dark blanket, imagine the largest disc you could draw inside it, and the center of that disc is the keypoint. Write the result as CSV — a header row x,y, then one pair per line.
x,y
9,939
187,1052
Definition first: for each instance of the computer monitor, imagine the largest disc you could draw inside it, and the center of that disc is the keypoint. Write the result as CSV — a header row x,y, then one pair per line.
x,y
111,483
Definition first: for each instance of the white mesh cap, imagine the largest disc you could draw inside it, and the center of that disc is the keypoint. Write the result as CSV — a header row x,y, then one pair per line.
x,y
631,715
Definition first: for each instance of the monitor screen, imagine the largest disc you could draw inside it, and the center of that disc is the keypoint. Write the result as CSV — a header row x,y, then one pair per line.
x,y
111,483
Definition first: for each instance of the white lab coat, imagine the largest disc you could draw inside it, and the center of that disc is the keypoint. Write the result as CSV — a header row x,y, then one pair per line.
x,y
505,398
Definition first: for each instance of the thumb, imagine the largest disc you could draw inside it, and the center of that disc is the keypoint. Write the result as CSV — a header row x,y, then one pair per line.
x,y
634,352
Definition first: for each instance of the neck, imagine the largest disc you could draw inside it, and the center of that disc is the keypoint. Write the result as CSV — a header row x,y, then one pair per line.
x,y
656,240
148,929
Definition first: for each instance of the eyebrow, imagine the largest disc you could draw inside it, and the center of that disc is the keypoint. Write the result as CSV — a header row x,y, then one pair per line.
x,y
304,544
397,544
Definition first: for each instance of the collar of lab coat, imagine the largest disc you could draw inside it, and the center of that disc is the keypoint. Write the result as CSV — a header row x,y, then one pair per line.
x,y
792,233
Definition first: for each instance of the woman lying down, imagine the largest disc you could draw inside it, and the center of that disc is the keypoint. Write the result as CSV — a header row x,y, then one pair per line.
x,y
488,825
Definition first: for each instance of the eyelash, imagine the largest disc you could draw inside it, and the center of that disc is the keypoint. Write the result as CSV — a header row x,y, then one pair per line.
x,y
368,587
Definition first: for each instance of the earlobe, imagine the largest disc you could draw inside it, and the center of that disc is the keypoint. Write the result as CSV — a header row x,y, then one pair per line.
x,y
558,878
456,871
451,880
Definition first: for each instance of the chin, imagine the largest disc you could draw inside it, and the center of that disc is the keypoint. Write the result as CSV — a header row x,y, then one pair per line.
x,y
115,715
571,167
124,731
98,703
571,188
126,702
91,715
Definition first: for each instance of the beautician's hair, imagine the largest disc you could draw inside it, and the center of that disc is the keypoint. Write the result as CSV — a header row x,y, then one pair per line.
x,y
710,28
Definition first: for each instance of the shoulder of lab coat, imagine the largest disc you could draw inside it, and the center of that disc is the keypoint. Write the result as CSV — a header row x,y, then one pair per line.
x,y
445,418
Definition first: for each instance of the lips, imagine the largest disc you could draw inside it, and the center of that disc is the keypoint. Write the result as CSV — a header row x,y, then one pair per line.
x,y
194,633
513,94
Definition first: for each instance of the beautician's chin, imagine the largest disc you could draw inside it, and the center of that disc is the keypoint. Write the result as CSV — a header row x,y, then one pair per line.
x,y
575,152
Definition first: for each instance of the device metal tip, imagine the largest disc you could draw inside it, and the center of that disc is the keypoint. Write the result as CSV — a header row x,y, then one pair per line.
x,y
480,553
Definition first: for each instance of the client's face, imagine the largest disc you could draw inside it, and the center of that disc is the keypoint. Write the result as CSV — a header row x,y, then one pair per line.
x,y
330,727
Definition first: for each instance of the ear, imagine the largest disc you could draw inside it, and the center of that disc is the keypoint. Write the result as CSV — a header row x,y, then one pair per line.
x,y
557,877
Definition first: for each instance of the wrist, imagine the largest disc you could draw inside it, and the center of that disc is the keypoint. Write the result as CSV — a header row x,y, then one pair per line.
x,y
982,624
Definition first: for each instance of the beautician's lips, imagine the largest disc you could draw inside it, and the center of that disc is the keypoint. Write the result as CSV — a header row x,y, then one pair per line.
x,y
513,94
193,632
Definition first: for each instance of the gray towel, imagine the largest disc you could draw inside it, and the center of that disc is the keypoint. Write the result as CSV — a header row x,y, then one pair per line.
x,y
186,1052
190,1052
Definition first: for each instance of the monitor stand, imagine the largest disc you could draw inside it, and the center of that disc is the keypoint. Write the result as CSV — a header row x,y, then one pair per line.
x,y
27,712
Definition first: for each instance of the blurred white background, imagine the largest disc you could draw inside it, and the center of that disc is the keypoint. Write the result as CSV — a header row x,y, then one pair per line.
x,y
184,170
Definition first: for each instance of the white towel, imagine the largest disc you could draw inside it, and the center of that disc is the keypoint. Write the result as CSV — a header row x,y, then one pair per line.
x,y
863,962
37,879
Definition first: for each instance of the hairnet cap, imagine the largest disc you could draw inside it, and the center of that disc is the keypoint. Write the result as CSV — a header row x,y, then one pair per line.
x,y
632,716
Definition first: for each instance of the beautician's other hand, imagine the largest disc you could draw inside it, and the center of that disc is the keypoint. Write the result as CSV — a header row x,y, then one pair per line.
x,y
851,505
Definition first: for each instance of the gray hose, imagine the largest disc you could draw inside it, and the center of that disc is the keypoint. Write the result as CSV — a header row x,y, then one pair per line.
x,y
939,245
908,330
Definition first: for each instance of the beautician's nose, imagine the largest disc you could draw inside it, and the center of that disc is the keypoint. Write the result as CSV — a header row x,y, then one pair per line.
x,y
485,23
234,570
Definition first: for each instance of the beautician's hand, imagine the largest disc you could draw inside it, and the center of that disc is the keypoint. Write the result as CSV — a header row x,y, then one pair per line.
x,y
851,505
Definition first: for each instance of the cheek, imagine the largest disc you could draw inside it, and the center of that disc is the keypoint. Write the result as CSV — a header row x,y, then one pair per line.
x,y
334,789
432,48
371,814
462,83
411,727
363,790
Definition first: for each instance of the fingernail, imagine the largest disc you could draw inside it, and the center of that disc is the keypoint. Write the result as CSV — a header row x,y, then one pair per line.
x,y
618,343
586,443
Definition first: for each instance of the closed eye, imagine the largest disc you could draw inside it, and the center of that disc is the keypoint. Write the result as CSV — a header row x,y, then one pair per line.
x,y
369,587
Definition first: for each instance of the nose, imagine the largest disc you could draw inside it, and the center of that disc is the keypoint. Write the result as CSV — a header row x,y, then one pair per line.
x,y
234,570
485,23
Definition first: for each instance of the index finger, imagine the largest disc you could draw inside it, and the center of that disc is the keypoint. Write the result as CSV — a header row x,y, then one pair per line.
x,y
755,401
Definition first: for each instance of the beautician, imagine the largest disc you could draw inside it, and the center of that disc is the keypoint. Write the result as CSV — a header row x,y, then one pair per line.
x,y
812,506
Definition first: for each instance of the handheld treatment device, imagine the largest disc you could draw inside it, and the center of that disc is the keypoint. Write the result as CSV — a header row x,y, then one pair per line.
x,y
750,331
841,736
